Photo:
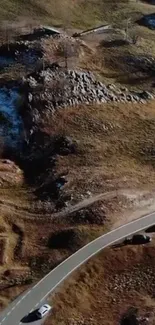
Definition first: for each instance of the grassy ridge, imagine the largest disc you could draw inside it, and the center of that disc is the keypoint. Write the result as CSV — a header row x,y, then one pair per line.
x,y
80,13
75,13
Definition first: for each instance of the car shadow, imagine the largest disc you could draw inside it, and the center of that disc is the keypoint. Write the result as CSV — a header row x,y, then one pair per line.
x,y
150,229
118,245
31,317
127,244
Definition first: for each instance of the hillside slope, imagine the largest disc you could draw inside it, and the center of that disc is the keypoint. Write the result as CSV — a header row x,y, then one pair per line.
x,y
76,13
77,152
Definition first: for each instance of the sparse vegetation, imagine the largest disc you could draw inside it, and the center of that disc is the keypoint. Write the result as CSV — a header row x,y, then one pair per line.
x,y
76,153
107,288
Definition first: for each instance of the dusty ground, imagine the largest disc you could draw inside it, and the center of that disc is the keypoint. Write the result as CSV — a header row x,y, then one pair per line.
x,y
115,152
33,240
107,287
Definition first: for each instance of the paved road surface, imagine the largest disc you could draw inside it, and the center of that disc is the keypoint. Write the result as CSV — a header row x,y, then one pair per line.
x,y
37,294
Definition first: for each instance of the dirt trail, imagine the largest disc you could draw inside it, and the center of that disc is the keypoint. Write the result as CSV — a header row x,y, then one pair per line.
x,y
142,202
10,206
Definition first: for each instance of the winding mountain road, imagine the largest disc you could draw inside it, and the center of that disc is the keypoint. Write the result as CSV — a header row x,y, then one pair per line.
x,y
37,295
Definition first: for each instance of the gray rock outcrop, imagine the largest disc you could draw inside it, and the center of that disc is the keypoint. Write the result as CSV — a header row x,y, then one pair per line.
x,y
55,87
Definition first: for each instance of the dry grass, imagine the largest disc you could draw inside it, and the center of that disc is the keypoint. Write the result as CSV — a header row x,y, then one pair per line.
x,y
81,14
112,143
113,146
111,60
106,61
55,12
106,287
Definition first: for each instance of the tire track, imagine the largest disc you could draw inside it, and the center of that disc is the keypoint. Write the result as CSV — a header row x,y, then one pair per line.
x,y
5,205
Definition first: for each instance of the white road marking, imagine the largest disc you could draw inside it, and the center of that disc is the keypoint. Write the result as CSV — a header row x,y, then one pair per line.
x,y
77,266
15,307
27,293
42,299
23,297
109,244
110,232
18,302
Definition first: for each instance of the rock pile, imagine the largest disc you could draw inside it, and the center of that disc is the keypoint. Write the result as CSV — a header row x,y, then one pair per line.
x,y
55,87
20,52
139,278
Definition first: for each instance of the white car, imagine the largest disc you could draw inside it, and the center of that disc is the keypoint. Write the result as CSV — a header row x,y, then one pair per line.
x,y
43,310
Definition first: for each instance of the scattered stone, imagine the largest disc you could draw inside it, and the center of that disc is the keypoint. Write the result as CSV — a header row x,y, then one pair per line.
x,y
89,193
30,97
124,89
32,82
111,87
51,88
146,95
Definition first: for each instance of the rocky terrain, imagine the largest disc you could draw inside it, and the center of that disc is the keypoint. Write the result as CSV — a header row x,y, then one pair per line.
x,y
53,88
77,138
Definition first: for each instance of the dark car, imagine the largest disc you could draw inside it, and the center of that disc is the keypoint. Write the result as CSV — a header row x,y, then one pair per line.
x,y
138,239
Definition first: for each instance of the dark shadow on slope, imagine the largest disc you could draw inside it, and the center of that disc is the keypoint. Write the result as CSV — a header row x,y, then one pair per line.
x,y
71,239
38,161
130,317
148,21
37,34
114,43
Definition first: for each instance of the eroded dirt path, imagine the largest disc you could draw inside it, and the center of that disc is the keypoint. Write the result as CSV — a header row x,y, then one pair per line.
x,y
142,201
6,205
